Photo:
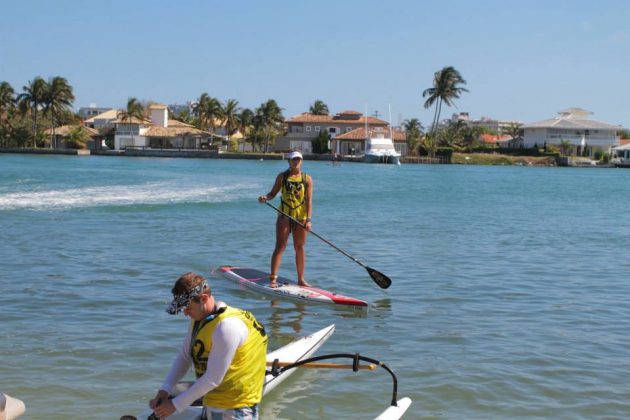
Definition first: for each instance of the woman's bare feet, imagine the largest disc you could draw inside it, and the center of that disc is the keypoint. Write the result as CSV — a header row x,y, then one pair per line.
x,y
303,283
273,281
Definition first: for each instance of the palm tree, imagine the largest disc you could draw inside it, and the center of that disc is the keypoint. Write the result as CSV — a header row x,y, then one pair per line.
x,y
446,88
134,110
514,130
207,110
319,108
58,98
7,104
245,121
31,100
229,113
271,119
413,132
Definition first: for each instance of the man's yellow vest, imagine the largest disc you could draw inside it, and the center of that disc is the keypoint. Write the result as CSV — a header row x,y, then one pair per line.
x,y
243,382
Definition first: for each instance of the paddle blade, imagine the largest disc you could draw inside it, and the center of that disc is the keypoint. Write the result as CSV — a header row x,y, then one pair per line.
x,y
379,278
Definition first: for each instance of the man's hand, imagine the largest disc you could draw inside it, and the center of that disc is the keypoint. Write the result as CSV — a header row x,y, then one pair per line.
x,y
159,398
165,409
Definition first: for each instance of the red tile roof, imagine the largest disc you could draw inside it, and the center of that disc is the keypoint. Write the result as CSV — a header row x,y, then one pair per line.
x,y
493,138
312,118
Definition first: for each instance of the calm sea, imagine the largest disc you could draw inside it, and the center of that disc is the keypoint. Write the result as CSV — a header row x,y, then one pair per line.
x,y
509,297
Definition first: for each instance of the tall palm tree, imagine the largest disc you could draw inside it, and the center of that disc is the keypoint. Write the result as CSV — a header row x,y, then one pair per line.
x,y
446,87
319,108
271,120
31,101
229,114
58,98
207,110
245,121
7,104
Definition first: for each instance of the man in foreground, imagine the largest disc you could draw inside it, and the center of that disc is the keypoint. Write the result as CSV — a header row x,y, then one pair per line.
x,y
227,348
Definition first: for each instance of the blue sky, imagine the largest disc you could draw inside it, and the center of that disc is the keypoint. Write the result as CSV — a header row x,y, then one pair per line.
x,y
522,60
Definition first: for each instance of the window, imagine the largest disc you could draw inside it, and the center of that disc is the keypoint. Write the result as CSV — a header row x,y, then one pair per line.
x,y
348,129
317,128
308,128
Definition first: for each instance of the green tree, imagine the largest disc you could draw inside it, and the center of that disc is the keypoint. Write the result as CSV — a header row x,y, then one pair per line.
x,y
428,144
31,101
446,88
514,130
58,99
413,132
7,105
471,137
134,111
319,108
565,147
229,114
207,110
270,121
78,138
245,125
320,143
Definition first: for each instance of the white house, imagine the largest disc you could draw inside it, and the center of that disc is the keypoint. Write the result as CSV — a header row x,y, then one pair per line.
x,y
159,132
573,126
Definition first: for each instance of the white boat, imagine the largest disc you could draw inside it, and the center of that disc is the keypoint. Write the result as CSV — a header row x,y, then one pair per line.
x,y
297,350
380,149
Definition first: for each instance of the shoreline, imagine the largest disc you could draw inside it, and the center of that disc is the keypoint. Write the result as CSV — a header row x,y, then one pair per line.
x,y
486,159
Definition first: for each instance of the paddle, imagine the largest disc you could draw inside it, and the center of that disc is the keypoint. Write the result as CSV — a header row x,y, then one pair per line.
x,y
321,365
379,278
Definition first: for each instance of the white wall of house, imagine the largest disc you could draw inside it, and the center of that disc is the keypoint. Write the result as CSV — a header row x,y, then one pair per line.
x,y
603,139
130,135
159,116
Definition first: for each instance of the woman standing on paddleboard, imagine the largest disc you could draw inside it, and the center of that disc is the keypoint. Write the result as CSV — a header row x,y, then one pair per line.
x,y
296,201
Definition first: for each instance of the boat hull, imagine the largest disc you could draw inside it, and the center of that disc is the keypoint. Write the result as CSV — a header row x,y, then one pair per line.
x,y
389,159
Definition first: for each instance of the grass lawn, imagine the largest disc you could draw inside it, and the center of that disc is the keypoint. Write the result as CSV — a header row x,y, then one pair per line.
x,y
498,159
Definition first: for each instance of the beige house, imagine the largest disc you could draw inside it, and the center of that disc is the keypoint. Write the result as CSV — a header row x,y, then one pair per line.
x,y
303,128
160,132
62,134
104,119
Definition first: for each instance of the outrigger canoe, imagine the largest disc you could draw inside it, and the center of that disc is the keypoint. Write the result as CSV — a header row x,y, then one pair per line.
x,y
297,350
258,281
292,355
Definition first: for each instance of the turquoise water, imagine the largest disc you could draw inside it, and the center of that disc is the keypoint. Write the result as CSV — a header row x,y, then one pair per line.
x,y
509,295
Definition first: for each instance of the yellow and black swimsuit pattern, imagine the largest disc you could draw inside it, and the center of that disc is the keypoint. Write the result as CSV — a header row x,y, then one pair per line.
x,y
293,196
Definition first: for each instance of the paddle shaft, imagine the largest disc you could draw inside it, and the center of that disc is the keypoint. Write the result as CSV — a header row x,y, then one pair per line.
x,y
316,234
379,278
324,365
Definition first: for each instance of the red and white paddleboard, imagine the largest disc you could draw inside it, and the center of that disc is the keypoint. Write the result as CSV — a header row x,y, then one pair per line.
x,y
259,281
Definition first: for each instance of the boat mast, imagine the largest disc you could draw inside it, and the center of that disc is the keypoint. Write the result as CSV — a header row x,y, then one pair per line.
x,y
391,134
367,135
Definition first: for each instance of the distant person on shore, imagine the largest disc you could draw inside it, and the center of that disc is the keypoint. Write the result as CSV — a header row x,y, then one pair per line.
x,y
227,348
297,202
